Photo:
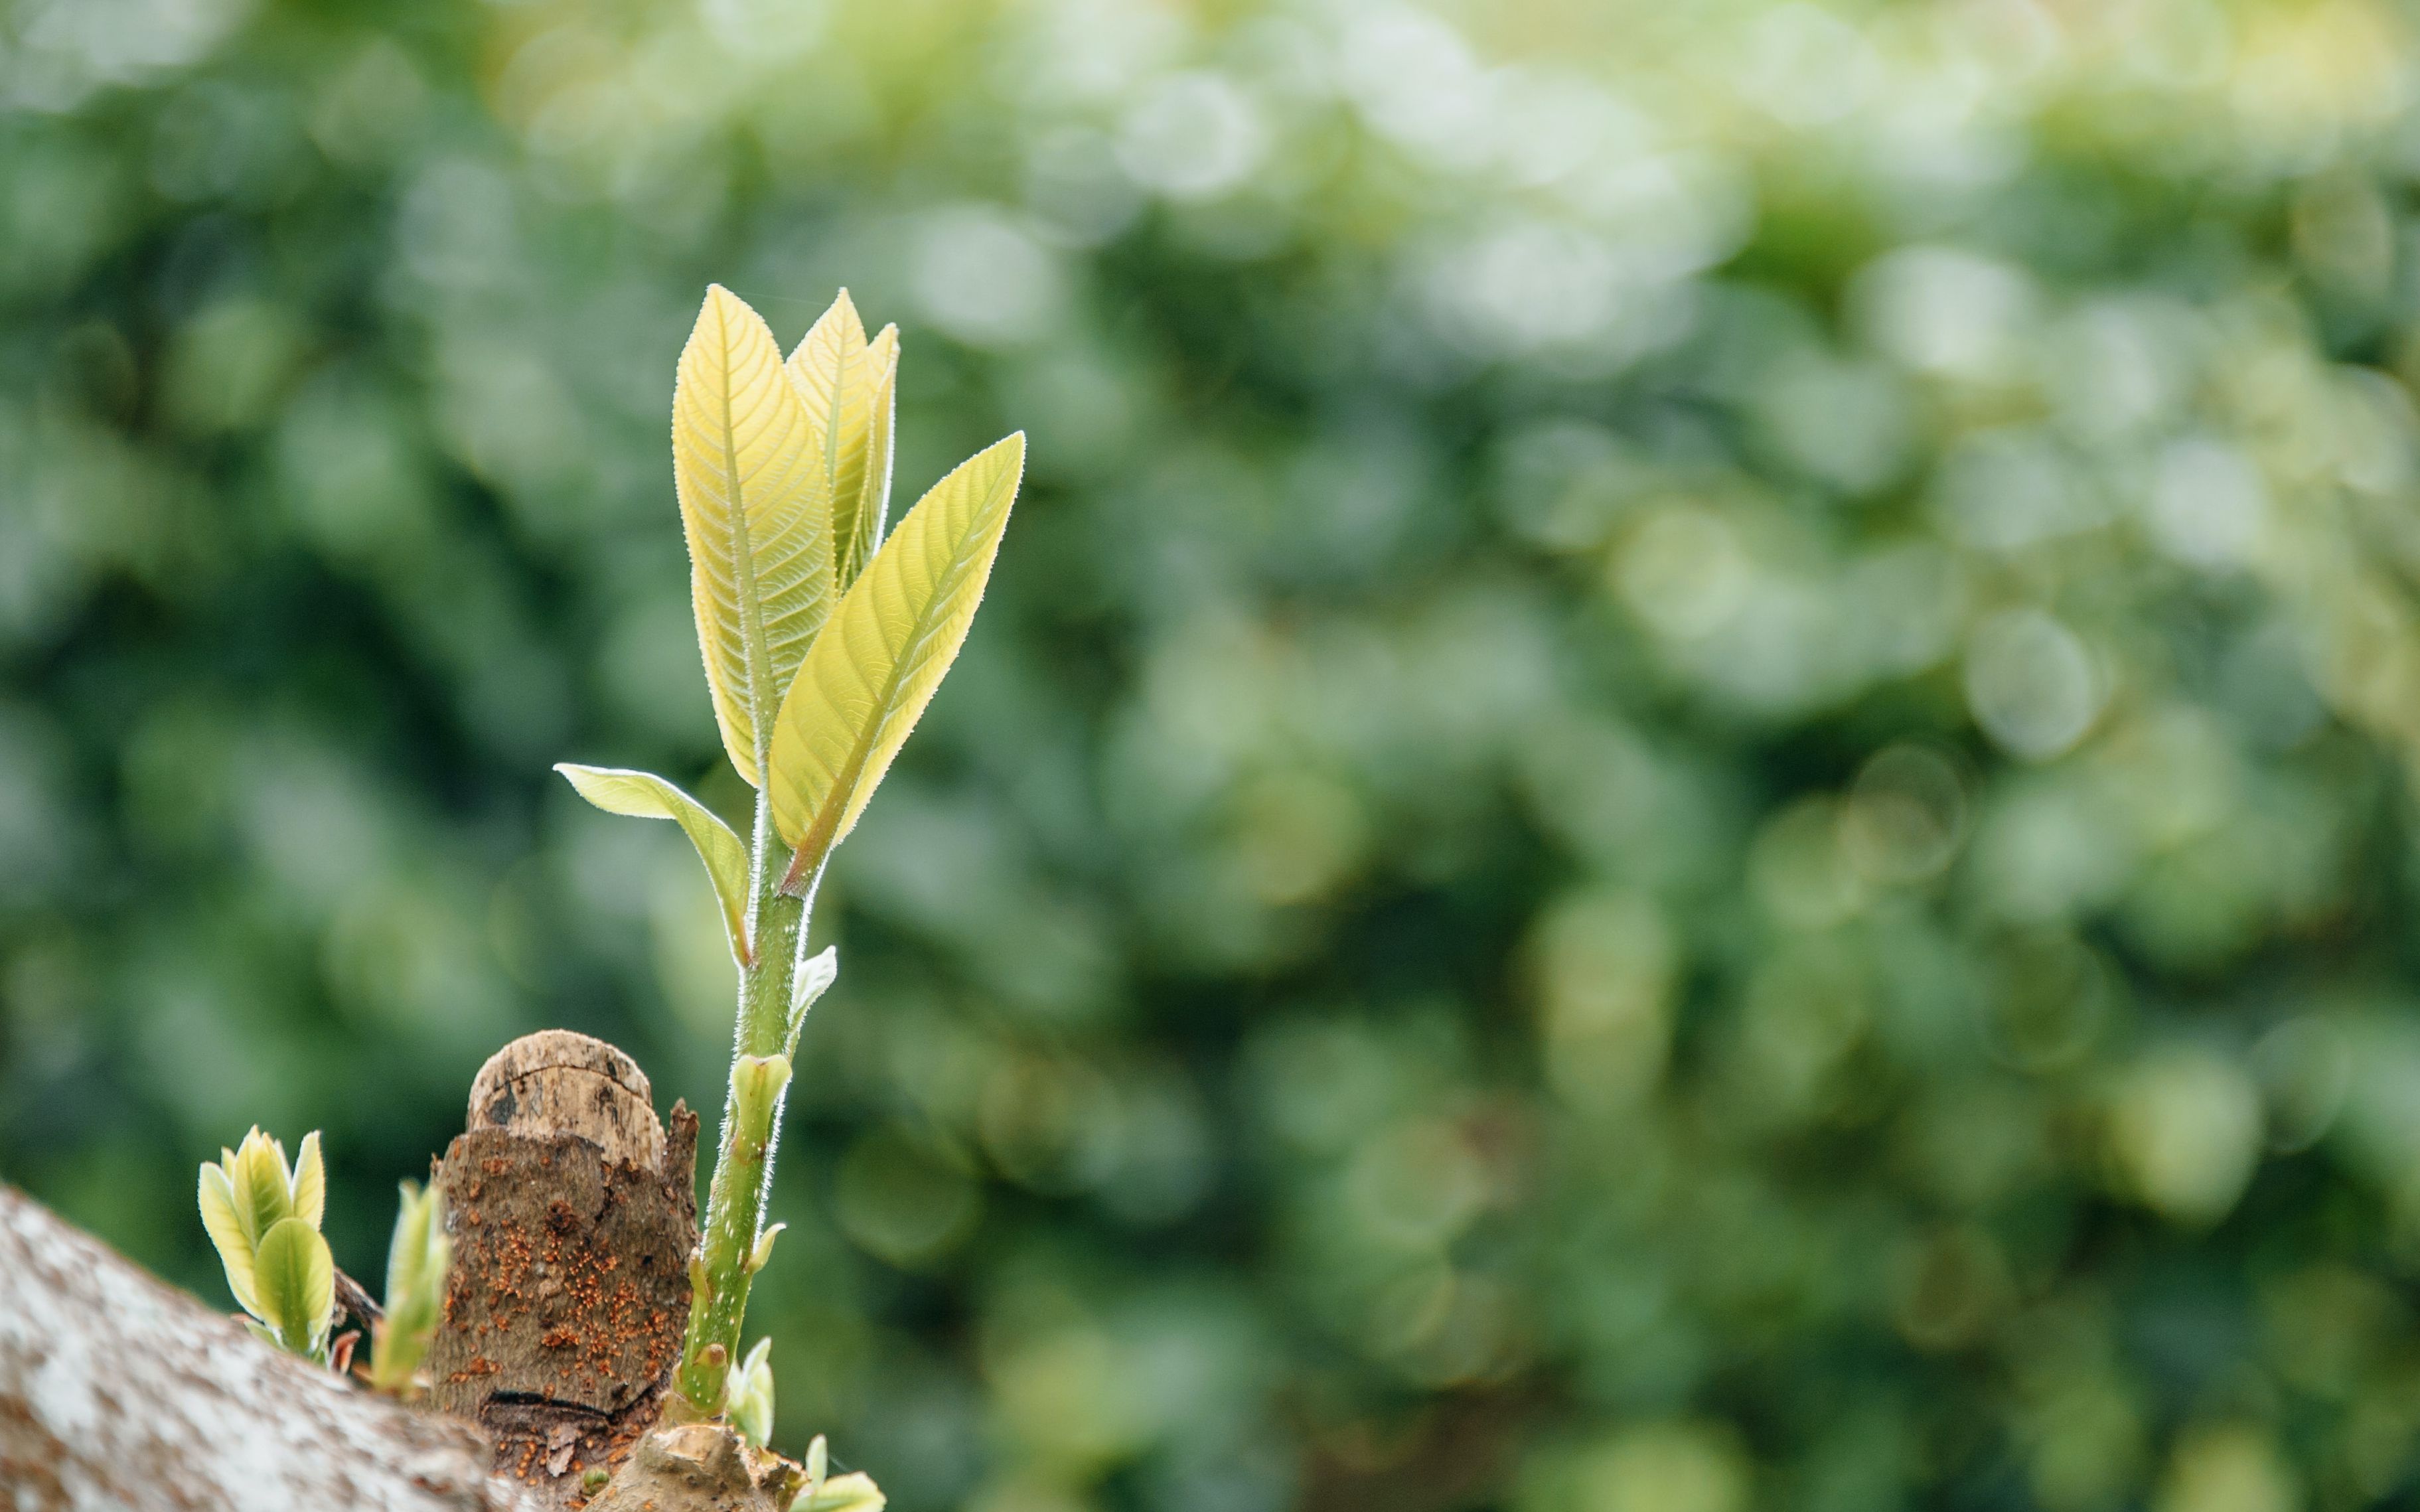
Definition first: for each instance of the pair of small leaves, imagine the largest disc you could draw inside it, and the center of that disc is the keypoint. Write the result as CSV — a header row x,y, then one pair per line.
x,y
782,471
263,1217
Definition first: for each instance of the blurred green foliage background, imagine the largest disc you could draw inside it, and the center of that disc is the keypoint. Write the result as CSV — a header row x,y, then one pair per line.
x,y
1685,788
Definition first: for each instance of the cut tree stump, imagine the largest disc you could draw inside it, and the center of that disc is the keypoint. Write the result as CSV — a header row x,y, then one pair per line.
x,y
118,1393
573,1214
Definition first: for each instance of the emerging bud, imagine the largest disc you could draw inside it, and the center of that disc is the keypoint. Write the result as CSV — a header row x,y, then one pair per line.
x,y
757,1081
263,1218
751,1394
763,1250
417,1260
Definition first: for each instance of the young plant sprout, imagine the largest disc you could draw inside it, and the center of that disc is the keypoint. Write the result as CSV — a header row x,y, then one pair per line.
x,y
824,638
264,1217
417,1260
824,641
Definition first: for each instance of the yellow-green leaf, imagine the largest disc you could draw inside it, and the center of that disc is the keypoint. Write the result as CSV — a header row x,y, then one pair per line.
x,y
222,1218
264,1191
758,528
417,1260
407,1253
852,1492
310,1185
644,795
296,1281
846,384
869,676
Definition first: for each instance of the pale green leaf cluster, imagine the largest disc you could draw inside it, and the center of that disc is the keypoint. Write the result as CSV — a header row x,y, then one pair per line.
x,y
263,1216
751,1394
823,642
417,1260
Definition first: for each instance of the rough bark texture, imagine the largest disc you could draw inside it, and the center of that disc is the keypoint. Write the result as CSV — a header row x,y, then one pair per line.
x,y
699,1467
573,1215
116,1392
558,1081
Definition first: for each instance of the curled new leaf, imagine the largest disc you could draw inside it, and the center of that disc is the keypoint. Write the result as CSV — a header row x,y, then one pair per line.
x,y
307,1192
846,384
751,1394
757,1081
763,1253
758,526
814,977
869,676
264,1186
644,795
417,1260
816,1464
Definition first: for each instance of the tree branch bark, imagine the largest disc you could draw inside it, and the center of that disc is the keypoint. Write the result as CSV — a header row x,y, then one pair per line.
x,y
117,1392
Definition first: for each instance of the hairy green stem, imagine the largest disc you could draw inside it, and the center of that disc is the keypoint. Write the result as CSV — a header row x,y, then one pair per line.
x,y
752,1121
